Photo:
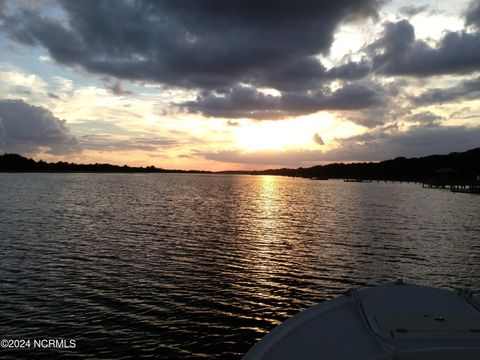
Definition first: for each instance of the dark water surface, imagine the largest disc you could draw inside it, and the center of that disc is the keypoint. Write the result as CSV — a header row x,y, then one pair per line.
x,y
190,266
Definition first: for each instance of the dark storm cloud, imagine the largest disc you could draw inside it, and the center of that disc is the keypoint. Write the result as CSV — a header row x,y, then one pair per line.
x,y
25,128
3,6
245,102
427,118
393,105
397,52
465,90
472,17
204,44
216,47
350,70
306,73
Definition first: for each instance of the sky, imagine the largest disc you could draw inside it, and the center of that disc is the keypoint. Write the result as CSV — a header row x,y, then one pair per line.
x,y
239,84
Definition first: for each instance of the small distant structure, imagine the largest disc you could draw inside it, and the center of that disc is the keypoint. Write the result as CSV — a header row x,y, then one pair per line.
x,y
448,178
442,178
356,180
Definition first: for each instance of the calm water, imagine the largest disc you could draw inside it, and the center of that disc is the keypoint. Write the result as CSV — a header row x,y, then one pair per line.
x,y
190,266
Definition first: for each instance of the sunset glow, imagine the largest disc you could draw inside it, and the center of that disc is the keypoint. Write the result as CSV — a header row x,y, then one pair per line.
x,y
382,73
278,135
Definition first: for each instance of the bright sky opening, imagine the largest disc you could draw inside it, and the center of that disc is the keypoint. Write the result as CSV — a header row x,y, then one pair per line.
x,y
239,84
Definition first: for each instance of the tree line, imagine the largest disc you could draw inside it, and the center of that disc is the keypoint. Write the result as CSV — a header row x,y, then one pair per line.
x,y
465,164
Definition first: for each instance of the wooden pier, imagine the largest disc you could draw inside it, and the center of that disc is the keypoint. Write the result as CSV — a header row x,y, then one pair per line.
x,y
470,187
357,180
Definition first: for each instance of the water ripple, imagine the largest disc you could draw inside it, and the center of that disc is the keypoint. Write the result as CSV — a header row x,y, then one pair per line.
x,y
202,266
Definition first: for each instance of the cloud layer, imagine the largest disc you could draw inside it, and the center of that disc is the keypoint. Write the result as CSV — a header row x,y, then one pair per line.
x,y
214,46
465,90
25,129
245,102
207,44
244,59
397,52
229,50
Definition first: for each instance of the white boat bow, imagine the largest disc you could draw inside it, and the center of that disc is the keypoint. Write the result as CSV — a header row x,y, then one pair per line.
x,y
391,321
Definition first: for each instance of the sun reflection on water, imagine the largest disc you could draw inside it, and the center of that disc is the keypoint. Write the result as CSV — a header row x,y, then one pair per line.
x,y
266,265
207,264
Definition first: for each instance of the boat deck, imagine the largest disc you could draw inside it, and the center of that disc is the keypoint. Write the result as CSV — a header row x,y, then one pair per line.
x,y
394,320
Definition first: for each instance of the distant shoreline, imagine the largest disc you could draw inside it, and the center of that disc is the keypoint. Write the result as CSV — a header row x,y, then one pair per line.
x,y
458,165
16,163
193,172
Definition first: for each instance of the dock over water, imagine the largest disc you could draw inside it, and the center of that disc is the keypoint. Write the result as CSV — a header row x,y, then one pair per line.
x,y
452,179
470,187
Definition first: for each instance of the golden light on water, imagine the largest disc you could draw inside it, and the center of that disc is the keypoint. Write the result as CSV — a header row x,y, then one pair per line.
x,y
268,194
266,223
